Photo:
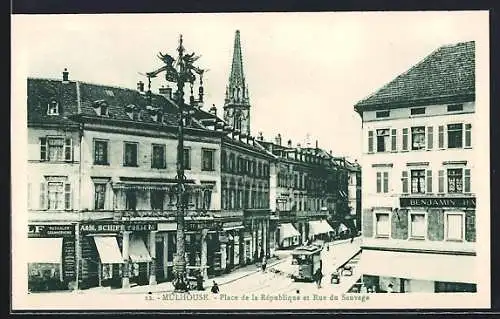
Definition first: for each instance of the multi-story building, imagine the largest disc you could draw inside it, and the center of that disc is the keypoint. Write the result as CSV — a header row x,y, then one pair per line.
x,y
354,195
419,217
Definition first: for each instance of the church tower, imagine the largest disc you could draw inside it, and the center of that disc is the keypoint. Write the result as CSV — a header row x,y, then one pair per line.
x,y
237,102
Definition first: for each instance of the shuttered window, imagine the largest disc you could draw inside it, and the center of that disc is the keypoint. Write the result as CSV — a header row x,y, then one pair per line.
x,y
370,141
468,135
68,197
393,140
382,225
404,180
430,136
386,182
405,139
441,181
379,182
43,196
467,188
441,136
429,181
454,227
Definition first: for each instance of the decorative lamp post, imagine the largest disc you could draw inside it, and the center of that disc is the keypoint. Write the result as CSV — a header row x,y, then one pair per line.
x,y
183,71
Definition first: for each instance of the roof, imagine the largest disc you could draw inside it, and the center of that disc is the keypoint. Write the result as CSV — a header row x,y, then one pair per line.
x,y
445,76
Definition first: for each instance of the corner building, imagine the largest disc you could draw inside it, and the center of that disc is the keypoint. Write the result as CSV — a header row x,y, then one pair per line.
x,y
419,217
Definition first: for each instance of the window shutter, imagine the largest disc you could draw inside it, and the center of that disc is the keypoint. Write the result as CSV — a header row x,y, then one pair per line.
x,y
386,182
404,179
393,140
370,141
43,149
441,181
67,196
429,181
468,135
467,180
68,149
379,182
441,136
43,195
430,137
405,139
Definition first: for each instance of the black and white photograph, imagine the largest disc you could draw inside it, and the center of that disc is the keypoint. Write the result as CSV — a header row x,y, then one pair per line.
x,y
329,160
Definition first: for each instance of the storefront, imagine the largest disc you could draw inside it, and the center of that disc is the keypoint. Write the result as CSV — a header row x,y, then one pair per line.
x,y
51,257
116,254
288,236
320,229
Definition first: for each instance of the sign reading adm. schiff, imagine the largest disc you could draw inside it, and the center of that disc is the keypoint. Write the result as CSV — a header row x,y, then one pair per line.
x,y
116,227
437,202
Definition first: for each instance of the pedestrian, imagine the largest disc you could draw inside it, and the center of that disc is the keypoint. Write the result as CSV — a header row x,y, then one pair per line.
x,y
215,288
363,289
264,264
199,282
318,277
389,288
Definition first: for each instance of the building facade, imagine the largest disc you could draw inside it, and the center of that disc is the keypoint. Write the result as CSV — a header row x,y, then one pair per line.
x,y
419,217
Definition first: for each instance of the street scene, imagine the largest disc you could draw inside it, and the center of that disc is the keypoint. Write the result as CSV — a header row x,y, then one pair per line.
x,y
244,165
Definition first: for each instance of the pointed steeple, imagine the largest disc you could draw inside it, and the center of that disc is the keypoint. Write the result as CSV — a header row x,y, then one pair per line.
x,y
237,102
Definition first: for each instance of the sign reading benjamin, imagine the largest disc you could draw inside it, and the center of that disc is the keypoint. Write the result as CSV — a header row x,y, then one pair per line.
x,y
116,227
462,202
45,231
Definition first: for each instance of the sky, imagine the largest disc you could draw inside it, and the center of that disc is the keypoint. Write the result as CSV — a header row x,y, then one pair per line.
x,y
305,71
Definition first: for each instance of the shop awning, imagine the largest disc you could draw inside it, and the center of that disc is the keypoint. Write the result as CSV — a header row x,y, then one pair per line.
x,y
317,227
45,250
138,252
421,266
108,249
288,231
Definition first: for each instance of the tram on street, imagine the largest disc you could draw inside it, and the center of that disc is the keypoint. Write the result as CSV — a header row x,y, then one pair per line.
x,y
308,261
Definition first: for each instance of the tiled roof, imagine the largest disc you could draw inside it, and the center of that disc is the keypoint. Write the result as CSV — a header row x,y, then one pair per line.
x,y
446,75
42,91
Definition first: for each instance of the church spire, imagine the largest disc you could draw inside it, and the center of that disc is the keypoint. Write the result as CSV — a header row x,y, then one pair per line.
x,y
237,103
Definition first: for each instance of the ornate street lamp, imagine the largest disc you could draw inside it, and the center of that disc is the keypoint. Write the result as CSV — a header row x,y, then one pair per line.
x,y
183,71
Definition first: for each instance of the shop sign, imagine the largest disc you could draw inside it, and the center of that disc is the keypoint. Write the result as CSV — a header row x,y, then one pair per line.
x,y
47,231
199,225
116,227
438,202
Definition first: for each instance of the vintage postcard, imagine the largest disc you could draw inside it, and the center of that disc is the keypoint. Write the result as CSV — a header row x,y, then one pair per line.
x,y
251,161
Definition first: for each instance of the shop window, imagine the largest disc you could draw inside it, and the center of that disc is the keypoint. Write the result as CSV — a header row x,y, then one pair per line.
x,y
454,226
130,154
101,152
99,196
207,160
382,140
130,200
455,135
187,159
455,180
157,199
55,149
418,138
417,226
382,225
158,156
418,181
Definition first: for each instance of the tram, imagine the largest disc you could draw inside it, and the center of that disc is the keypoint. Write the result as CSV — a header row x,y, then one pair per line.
x,y
308,261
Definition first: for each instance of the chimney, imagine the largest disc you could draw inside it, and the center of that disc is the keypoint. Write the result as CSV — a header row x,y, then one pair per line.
x,y
65,76
330,152
213,110
140,86
278,139
289,143
165,91
316,144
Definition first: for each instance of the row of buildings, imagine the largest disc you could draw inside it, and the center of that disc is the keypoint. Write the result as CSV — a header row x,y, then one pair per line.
x,y
420,177
102,185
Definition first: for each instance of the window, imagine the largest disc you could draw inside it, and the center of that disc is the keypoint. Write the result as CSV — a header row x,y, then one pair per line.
x,y
157,198
53,108
455,107
454,226
370,141
418,138
231,162
130,200
129,154
382,140
404,180
187,159
405,139
455,180
468,137
430,133
393,140
58,196
418,181
429,181
417,226
386,182
56,149
382,114
441,181
207,160
101,152
382,182
158,156
454,135
99,196
417,111
441,136
382,226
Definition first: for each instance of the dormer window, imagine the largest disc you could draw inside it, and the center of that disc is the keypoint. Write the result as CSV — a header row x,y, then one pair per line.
x,y
53,108
104,109
110,93
100,107
130,110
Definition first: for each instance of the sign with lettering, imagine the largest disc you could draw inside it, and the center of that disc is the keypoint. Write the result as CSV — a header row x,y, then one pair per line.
x,y
437,202
198,225
47,231
116,227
